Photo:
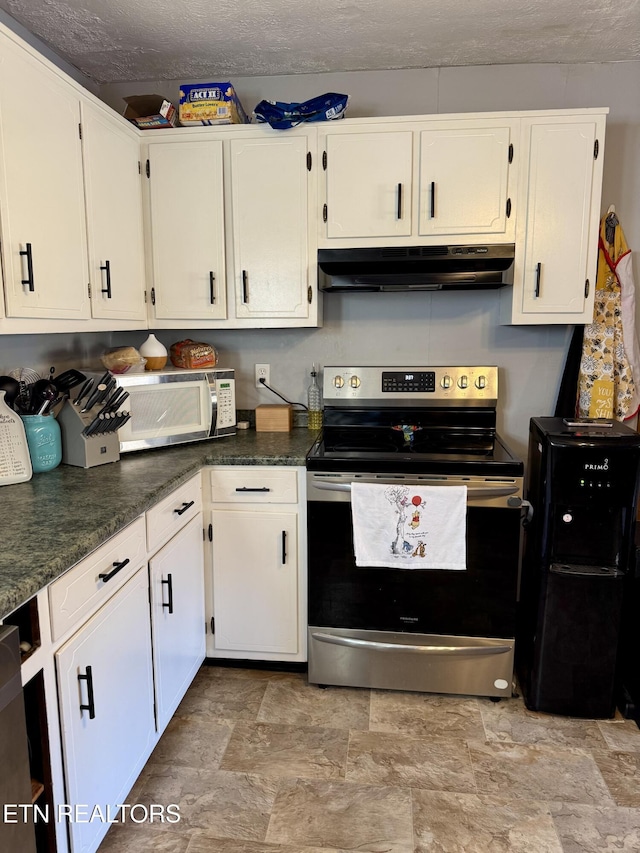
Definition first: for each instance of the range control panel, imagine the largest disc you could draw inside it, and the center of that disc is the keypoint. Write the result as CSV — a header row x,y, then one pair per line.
x,y
428,386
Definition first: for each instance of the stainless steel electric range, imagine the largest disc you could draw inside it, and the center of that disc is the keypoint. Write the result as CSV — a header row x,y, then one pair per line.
x,y
430,630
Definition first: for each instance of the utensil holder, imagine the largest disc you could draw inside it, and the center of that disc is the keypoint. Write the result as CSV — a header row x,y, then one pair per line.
x,y
43,440
85,451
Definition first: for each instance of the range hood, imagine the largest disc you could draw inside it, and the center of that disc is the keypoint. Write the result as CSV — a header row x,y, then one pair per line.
x,y
414,268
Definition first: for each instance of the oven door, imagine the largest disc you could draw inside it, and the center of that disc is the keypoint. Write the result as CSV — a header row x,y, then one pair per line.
x,y
432,629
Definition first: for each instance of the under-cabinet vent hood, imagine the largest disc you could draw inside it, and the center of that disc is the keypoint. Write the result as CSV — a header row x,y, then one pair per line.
x,y
414,268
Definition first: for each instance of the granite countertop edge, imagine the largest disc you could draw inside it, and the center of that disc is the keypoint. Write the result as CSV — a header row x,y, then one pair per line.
x,y
61,516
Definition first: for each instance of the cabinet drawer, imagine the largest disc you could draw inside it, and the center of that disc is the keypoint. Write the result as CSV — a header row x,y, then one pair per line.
x,y
172,513
93,581
254,484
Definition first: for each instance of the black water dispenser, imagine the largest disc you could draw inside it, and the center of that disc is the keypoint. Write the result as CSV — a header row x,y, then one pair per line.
x,y
582,482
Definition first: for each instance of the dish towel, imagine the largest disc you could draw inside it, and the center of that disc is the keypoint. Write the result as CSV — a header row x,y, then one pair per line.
x,y
409,527
609,379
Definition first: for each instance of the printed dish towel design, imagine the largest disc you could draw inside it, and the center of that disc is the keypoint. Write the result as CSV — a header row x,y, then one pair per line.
x,y
409,527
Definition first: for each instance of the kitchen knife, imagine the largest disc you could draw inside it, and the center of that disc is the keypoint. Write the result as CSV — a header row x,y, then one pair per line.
x,y
83,392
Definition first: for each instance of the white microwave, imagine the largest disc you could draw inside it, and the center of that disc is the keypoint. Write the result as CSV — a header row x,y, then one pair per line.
x,y
176,406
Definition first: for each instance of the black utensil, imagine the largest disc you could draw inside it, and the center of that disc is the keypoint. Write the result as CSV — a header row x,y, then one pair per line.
x,y
42,391
68,379
11,388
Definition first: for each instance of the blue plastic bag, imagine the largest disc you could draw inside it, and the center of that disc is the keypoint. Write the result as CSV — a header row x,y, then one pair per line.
x,y
282,116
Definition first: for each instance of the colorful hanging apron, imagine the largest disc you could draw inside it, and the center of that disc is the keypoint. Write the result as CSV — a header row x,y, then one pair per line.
x,y
610,357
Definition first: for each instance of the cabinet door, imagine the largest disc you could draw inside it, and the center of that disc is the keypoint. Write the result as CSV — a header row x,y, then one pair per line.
x,y
44,244
114,216
255,581
463,179
269,203
177,616
105,688
369,184
187,230
557,242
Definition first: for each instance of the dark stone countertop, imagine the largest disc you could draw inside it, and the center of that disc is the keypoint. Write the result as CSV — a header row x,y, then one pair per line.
x,y
58,517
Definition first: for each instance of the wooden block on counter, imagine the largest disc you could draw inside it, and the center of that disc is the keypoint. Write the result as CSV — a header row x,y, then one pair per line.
x,y
274,418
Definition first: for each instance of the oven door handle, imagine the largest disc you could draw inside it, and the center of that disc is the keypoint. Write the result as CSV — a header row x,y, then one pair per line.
x,y
481,492
454,651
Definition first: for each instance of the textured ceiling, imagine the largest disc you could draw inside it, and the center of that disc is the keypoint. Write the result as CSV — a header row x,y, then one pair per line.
x,y
136,40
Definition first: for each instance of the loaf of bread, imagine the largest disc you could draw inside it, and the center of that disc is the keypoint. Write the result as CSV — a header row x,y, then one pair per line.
x,y
191,354
123,360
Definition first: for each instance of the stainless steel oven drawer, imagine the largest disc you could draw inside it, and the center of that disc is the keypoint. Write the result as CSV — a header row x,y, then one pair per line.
x,y
431,663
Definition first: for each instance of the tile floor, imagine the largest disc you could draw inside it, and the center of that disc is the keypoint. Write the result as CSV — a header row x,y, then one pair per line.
x,y
263,762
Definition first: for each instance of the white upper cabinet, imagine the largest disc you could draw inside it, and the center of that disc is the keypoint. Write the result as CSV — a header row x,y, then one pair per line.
x,y
186,216
557,233
415,182
114,216
272,270
464,170
44,245
229,228
369,184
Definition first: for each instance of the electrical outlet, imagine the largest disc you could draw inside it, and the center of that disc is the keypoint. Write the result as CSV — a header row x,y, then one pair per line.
x,y
263,372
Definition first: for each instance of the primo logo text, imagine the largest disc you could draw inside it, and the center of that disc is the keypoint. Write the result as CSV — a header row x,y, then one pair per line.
x,y
604,466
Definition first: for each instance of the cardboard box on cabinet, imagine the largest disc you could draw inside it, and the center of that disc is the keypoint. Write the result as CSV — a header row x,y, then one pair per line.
x,y
210,103
149,112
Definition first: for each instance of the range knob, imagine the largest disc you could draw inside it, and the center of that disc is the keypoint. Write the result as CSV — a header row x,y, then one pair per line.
x,y
481,382
354,381
463,382
338,381
446,381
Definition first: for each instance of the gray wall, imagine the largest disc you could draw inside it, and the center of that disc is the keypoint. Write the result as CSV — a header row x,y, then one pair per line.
x,y
412,329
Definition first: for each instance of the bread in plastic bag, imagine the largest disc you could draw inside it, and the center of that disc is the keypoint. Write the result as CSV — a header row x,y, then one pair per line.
x,y
192,354
123,360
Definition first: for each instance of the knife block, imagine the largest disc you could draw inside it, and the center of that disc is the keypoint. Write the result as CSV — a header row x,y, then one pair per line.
x,y
82,450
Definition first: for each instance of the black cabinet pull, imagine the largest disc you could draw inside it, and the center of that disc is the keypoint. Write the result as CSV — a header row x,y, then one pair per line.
x,y
253,489
586,288
212,288
432,210
399,215
107,270
90,706
106,576
29,279
536,292
325,213
153,296
245,286
508,208
169,584
185,506
284,547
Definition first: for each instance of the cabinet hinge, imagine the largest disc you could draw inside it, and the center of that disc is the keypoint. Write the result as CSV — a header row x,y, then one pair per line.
x,y
596,149
148,169
586,288
309,294
80,130
139,167
324,160
89,288
145,297
508,208
511,152
211,533
153,296
213,625
309,161
325,213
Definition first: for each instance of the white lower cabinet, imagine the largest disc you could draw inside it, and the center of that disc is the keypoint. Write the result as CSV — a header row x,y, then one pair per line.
x,y
176,575
105,686
257,600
